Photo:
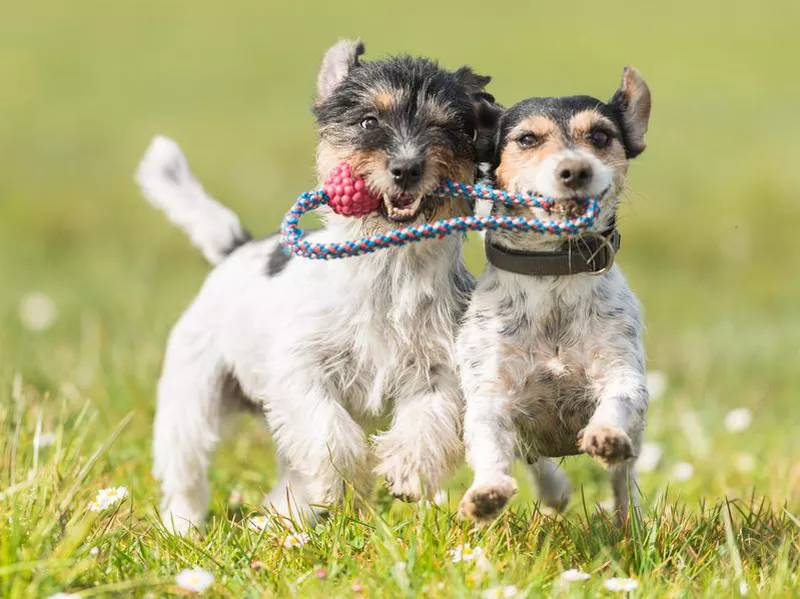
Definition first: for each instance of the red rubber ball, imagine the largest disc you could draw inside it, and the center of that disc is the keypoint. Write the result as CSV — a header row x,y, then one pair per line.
x,y
349,195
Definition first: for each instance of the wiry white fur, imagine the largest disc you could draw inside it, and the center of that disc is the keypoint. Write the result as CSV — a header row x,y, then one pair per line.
x,y
322,348
168,183
551,366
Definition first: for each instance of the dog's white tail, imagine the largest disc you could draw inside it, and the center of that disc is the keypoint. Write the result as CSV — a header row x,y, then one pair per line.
x,y
168,184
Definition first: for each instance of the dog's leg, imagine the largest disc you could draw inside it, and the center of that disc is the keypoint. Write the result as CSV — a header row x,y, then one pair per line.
x,y
289,498
613,435
551,483
319,443
490,437
186,428
625,489
423,443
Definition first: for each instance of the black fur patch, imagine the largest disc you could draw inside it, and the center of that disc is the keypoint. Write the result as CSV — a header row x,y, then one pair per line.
x,y
277,261
238,241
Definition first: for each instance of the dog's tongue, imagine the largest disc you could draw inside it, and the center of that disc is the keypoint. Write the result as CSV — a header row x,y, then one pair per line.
x,y
403,200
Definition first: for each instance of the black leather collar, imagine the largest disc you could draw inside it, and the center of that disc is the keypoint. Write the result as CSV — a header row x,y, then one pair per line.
x,y
591,253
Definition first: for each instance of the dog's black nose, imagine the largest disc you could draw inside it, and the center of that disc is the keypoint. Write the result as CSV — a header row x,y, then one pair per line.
x,y
574,173
406,171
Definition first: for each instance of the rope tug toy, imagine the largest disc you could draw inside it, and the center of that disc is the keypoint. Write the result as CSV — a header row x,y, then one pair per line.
x,y
348,195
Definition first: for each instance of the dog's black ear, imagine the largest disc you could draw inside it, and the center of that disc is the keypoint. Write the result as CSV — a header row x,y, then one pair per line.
x,y
471,80
336,64
488,113
632,100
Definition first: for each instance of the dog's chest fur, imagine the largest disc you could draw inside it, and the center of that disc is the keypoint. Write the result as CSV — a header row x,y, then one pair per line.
x,y
380,326
539,344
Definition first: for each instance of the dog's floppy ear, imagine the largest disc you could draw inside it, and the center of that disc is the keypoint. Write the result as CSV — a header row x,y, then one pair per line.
x,y
336,64
487,111
632,100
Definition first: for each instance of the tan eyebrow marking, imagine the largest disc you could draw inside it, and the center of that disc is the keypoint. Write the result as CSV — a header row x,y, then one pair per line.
x,y
582,123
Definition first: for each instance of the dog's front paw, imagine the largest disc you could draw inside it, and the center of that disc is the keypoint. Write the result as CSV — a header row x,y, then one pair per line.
x,y
606,444
484,502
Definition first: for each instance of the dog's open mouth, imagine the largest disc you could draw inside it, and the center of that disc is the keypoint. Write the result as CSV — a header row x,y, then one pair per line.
x,y
402,207
571,206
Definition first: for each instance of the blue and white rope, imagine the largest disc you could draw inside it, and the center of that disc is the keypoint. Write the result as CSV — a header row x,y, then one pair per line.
x,y
291,233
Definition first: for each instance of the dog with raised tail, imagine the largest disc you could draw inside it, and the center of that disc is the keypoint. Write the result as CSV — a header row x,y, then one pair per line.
x,y
551,355
324,347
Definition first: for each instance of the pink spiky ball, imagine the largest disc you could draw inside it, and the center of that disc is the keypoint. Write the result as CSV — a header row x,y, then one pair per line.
x,y
347,194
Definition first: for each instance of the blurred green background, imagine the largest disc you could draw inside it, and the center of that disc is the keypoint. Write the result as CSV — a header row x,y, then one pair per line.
x,y
710,222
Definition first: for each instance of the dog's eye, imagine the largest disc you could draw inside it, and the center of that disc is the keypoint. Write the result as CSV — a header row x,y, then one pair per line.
x,y
599,138
369,123
528,140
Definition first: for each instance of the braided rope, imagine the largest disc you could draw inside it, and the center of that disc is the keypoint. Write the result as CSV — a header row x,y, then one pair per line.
x,y
291,233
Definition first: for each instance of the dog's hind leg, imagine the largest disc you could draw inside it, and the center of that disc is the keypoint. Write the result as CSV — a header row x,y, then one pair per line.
x,y
551,483
187,426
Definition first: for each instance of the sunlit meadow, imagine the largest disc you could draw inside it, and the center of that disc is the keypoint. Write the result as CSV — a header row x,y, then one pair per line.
x,y
91,279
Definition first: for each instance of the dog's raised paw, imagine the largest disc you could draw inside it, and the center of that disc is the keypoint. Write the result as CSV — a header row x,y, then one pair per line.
x,y
606,444
484,502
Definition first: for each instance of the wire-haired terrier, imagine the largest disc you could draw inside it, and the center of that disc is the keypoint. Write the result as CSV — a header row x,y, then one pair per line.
x,y
326,347
551,354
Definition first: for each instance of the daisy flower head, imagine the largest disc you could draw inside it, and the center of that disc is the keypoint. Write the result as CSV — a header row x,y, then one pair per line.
x,y
621,585
294,541
258,523
501,592
465,553
37,311
107,498
738,420
682,471
574,575
195,580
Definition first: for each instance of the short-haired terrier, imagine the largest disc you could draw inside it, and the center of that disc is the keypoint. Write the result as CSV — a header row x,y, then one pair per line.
x,y
551,354
326,347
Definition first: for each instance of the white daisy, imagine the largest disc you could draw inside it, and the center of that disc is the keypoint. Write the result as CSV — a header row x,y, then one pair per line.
x,y
41,440
440,498
621,585
656,384
502,592
195,580
37,311
649,457
258,523
745,462
236,498
743,588
293,541
94,551
106,498
682,471
574,575
465,553
738,420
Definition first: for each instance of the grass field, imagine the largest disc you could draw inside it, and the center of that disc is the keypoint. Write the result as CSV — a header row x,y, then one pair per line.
x,y
710,231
